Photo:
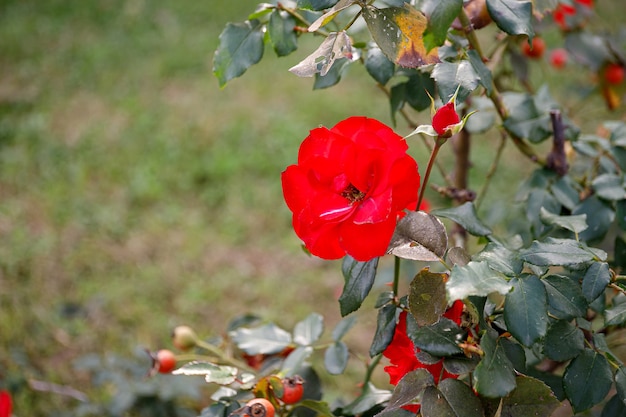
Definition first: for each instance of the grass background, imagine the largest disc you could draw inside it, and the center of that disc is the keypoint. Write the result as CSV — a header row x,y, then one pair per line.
x,y
136,195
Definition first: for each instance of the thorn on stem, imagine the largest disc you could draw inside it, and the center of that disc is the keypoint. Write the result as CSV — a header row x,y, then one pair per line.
x,y
557,160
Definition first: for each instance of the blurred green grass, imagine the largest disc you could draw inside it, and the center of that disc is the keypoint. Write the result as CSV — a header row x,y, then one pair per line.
x,y
136,195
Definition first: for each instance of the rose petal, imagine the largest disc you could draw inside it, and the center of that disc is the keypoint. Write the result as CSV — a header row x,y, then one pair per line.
x,y
366,241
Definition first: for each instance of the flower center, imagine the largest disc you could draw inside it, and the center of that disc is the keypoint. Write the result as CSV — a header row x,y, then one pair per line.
x,y
352,194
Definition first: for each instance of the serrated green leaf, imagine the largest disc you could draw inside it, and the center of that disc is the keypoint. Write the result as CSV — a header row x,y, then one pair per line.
x,y
455,76
565,297
500,259
566,192
451,398
370,397
419,236
332,77
563,341
494,376
439,339
476,278
241,46
466,216
615,316
512,16
309,330
385,327
378,65
320,407
562,252
315,4
441,17
427,296
408,388
218,374
609,187
265,340
595,280
526,309
398,31
531,397
281,33
600,217
336,358
342,327
296,360
620,383
359,278
418,87
574,224
484,73
587,380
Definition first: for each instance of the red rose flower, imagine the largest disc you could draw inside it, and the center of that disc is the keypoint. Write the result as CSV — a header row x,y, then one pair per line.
x,y
6,404
445,117
401,352
349,187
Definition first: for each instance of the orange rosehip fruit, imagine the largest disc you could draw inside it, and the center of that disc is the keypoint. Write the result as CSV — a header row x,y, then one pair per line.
x,y
165,361
614,73
535,48
558,58
258,407
293,389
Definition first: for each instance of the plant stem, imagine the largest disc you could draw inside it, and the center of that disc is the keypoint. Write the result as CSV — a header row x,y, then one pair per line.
x,y
370,369
431,162
222,356
396,276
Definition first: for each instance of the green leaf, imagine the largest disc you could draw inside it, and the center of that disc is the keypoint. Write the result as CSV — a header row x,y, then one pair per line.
x,y
451,398
512,16
377,65
595,280
561,252
531,397
220,409
620,383
563,341
566,192
330,14
465,215
574,224
335,48
385,327
320,407
587,380
427,296
441,17
614,408
484,74
419,236
241,46
494,376
621,214
455,76
439,339
418,87
590,50
281,33
526,309
398,31
370,397
218,374
609,187
332,77
315,4
359,278
265,340
407,390
525,118
476,278
342,327
296,360
336,358
600,217
309,330
500,259
615,316
565,297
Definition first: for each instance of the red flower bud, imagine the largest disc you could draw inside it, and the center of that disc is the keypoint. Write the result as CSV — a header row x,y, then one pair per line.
x,y
445,117
6,404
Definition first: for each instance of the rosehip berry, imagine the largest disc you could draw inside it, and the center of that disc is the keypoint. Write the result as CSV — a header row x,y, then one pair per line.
x,y
535,49
558,58
184,338
293,388
257,407
614,73
165,361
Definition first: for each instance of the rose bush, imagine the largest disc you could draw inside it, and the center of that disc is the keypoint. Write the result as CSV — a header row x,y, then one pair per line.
x,y
348,188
